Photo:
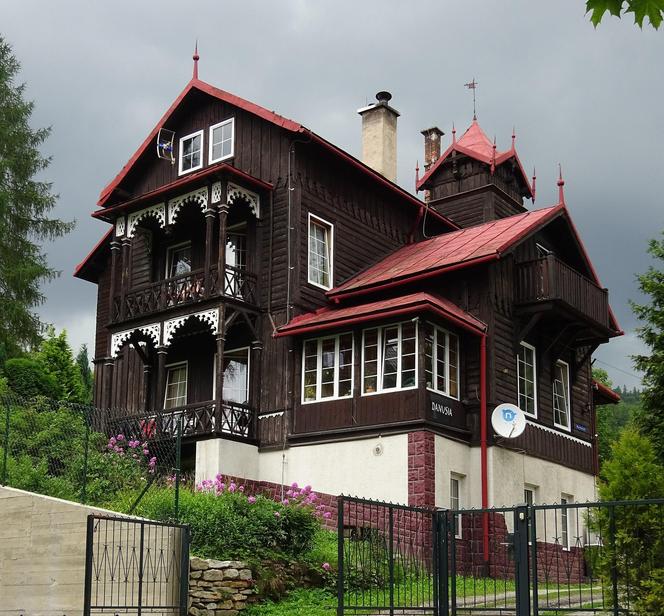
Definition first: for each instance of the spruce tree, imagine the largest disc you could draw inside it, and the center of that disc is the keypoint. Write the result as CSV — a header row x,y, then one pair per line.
x,y
651,418
25,204
83,363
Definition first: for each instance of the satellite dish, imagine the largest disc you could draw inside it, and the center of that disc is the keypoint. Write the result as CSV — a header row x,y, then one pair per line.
x,y
508,420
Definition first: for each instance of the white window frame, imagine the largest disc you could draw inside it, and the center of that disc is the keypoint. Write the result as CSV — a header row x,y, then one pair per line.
x,y
330,227
458,525
169,256
319,368
168,367
434,361
379,357
567,427
530,347
565,499
198,133
211,160
214,372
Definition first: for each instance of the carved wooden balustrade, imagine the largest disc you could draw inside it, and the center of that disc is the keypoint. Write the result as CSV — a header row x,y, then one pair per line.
x,y
198,419
549,279
189,288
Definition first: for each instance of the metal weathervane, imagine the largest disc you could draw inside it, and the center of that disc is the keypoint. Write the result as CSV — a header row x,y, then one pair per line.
x,y
473,86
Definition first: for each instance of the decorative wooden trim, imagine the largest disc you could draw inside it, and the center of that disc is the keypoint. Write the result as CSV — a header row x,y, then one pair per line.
x,y
210,317
559,433
199,196
158,212
234,192
152,331
120,226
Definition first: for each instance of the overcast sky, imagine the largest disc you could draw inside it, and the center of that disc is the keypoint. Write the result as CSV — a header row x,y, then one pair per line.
x,y
102,74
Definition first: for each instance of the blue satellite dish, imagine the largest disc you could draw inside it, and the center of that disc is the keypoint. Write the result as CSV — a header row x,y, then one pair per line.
x,y
508,420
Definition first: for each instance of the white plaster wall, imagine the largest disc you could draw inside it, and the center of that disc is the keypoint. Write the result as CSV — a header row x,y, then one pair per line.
x,y
463,461
226,457
347,467
42,554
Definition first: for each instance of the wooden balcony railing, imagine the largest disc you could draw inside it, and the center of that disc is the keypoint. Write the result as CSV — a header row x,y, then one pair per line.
x,y
549,279
198,419
185,289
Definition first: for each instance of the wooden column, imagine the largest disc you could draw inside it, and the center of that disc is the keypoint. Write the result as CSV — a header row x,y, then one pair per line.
x,y
162,351
115,251
219,368
124,280
221,257
209,232
107,384
147,383
255,368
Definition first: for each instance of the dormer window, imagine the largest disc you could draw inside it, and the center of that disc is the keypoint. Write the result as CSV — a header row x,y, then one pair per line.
x,y
191,152
222,137
178,260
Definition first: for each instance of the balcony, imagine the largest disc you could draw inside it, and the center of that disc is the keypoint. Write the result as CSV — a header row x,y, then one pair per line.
x,y
547,282
192,287
200,419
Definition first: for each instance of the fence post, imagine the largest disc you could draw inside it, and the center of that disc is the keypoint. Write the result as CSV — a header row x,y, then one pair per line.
x,y
442,565
391,557
141,564
178,456
86,454
614,563
522,577
3,477
89,545
533,558
184,571
340,556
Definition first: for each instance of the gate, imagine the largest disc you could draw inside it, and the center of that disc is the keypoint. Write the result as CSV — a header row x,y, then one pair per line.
x,y
529,560
136,567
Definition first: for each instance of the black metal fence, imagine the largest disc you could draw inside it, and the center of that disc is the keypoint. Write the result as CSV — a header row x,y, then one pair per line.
x,y
540,560
136,567
86,454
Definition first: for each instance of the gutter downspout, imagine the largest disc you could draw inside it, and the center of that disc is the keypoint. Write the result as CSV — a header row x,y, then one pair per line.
x,y
484,449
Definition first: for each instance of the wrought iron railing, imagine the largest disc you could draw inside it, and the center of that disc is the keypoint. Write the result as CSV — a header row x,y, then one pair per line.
x,y
192,287
548,278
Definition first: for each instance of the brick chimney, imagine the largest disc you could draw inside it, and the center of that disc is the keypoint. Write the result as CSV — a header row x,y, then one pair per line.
x,y
431,145
379,136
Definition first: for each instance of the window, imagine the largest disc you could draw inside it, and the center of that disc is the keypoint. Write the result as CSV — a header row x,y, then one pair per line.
x,y
236,260
442,360
191,152
320,252
221,141
561,407
176,385
455,502
389,358
327,368
178,260
565,499
236,375
526,370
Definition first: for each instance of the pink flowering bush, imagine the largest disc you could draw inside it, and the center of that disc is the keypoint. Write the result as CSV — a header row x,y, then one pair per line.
x,y
131,455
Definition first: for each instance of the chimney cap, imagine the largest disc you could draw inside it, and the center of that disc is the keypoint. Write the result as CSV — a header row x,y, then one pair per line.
x,y
383,99
434,130
383,96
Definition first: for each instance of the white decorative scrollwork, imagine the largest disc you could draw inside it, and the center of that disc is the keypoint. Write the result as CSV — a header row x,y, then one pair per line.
x,y
200,196
237,192
158,212
153,332
211,317
216,192
120,225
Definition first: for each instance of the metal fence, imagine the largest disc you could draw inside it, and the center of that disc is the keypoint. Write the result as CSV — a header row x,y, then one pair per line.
x,y
569,558
135,567
88,455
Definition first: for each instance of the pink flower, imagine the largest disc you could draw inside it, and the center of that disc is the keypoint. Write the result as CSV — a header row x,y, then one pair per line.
x,y
326,566
327,515
232,488
294,485
146,452
277,514
121,437
251,500
285,501
241,489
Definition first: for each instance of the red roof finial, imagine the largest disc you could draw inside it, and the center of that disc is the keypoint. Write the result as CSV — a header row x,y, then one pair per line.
x,y
196,58
417,176
534,184
453,134
493,156
561,185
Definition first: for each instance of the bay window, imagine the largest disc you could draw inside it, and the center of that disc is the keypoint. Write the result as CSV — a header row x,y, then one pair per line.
x,y
441,351
389,357
327,368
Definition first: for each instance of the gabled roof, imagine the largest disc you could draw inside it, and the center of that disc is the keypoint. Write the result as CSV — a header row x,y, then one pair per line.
x,y
441,253
269,116
603,394
334,317
84,269
475,144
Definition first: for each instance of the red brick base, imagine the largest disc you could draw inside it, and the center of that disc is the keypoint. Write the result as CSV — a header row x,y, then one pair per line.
x,y
421,469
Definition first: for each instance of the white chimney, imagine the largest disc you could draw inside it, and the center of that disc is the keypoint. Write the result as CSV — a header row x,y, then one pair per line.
x,y
379,136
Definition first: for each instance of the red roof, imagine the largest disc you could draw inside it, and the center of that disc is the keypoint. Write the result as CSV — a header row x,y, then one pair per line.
x,y
475,144
447,251
334,317
603,394
80,271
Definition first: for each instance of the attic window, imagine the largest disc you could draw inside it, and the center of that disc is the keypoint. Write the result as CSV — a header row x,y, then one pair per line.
x,y
221,141
191,152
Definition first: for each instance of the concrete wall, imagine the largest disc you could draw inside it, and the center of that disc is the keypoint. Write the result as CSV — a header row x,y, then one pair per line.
x,y
226,457
42,554
463,461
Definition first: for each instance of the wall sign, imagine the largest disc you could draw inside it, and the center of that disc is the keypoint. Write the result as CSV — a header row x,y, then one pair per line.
x,y
446,411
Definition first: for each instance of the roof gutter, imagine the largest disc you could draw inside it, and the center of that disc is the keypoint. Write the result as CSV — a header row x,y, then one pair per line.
x,y
337,297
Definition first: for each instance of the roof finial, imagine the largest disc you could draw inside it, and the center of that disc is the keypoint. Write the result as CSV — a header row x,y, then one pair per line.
x,y
534,184
513,136
453,134
417,176
493,156
196,58
472,85
561,185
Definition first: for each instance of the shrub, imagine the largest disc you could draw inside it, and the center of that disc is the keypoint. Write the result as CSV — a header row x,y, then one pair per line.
x,y
28,377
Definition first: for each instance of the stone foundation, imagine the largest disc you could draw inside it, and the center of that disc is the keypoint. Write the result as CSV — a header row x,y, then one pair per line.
x,y
219,587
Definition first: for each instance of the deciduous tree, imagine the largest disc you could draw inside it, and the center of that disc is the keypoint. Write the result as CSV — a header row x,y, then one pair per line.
x,y
641,9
